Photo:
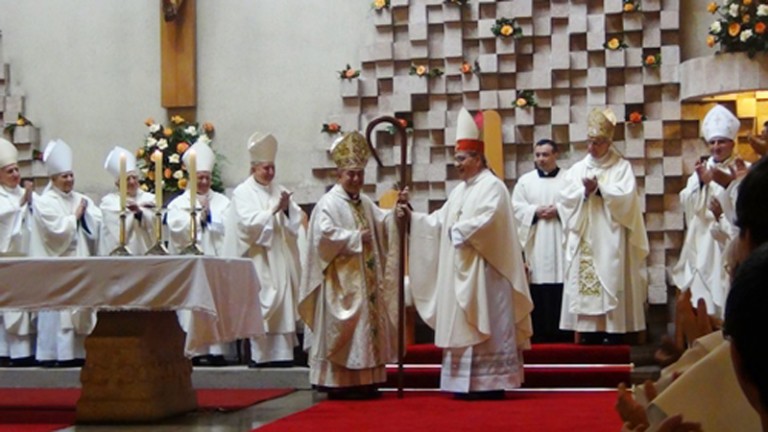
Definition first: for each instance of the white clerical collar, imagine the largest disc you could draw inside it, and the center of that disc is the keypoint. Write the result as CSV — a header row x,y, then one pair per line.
x,y
265,187
60,192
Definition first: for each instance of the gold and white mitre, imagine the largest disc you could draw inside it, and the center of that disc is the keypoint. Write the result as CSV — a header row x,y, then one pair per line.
x,y
57,157
351,151
8,153
468,133
262,147
205,157
601,123
720,123
112,162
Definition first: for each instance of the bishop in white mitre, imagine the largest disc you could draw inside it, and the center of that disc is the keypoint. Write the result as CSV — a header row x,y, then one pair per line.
x,y
606,244
16,330
468,280
263,225
708,207
66,224
140,205
211,208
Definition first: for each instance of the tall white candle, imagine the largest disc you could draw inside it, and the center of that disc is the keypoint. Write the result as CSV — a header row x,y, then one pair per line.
x,y
158,158
192,169
123,182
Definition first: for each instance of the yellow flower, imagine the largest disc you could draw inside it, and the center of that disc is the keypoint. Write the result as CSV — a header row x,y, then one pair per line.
x,y
521,102
167,132
140,153
421,70
746,2
379,4
734,29
745,18
710,41
614,44
506,30
177,119
20,122
712,7
182,183
144,187
629,7
149,121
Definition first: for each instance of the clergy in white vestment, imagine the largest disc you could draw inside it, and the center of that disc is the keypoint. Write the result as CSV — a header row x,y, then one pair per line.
x,y
348,294
140,209
540,230
263,225
708,208
16,329
211,209
606,243
66,224
467,277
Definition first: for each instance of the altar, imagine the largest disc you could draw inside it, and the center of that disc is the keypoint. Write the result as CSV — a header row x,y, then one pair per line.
x,y
135,367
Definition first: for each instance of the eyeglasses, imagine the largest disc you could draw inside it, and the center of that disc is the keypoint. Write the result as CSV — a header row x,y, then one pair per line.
x,y
462,157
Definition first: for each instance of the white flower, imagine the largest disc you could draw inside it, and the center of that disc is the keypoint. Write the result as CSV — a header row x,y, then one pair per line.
x,y
178,175
190,130
154,127
144,171
151,142
174,158
162,144
745,35
203,139
715,27
733,10
762,10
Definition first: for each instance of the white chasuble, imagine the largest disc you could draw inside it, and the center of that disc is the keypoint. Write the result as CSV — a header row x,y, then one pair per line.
x,y
349,291
468,283
139,230
270,241
541,239
210,231
701,267
606,245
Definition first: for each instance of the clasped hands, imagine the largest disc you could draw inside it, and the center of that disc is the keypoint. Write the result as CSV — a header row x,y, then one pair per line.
x,y
719,176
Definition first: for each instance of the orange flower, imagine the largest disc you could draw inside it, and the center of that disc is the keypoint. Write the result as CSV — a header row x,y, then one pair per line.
x,y
466,68
167,173
650,60
182,183
350,73
760,28
712,7
710,41
208,127
149,121
167,132
403,122
506,30
635,117
421,70
181,147
629,7
745,19
734,29
151,174
746,2
333,127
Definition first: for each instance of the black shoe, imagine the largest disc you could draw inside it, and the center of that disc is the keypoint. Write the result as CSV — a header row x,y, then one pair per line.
x,y
281,364
254,365
367,392
74,363
47,363
23,362
209,360
5,361
480,395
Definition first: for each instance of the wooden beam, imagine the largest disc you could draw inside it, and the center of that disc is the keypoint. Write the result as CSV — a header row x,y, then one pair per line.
x,y
178,51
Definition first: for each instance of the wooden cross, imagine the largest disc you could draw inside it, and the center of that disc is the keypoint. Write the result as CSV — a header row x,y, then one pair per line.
x,y
178,51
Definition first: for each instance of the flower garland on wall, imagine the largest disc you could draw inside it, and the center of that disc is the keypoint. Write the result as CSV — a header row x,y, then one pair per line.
x,y
740,27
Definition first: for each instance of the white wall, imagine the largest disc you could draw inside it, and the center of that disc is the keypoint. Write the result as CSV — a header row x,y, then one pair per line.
x,y
90,73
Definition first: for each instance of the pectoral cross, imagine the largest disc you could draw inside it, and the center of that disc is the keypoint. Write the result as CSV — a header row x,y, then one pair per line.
x,y
178,52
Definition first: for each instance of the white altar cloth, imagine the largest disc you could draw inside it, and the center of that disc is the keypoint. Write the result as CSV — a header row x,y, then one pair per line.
x,y
221,293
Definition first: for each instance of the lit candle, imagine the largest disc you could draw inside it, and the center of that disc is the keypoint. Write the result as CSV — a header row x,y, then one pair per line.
x,y
123,182
192,169
158,158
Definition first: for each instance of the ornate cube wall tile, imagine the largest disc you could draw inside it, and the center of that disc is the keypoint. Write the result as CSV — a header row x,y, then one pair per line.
x,y
418,31
653,129
670,111
505,45
452,43
655,150
634,57
674,221
613,6
398,3
484,28
382,17
651,76
507,64
634,148
349,87
651,5
651,34
595,41
596,77
560,8
673,166
577,21
579,60
436,84
376,52
470,82
401,102
615,58
596,96
506,98
670,20
489,100
638,167
633,93
451,13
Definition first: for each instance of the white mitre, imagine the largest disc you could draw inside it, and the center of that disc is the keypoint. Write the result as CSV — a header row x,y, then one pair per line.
x,y
8,153
205,157
112,162
720,123
57,157
262,147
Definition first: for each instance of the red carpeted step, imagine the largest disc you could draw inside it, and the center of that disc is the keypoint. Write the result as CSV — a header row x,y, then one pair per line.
x,y
538,354
565,376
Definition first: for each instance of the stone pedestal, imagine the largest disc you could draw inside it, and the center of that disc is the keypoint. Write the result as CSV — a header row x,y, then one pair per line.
x,y
135,369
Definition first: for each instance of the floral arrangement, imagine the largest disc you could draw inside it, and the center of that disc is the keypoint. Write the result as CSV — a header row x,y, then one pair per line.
x,y
380,4
525,99
331,128
636,117
614,44
421,70
506,27
173,140
469,68
406,124
631,5
741,26
349,73
457,2
20,121
652,60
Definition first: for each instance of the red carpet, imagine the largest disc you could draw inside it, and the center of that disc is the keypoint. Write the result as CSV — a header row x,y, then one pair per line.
x,y
32,410
419,411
